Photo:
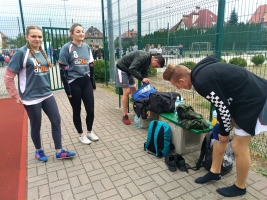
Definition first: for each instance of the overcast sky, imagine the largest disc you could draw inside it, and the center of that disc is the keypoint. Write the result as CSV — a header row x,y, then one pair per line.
x,y
155,13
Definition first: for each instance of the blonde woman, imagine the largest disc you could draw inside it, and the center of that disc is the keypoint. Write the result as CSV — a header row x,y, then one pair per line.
x,y
31,65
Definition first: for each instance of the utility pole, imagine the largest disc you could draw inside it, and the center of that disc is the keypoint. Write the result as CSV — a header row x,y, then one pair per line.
x,y
104,41
65,13
111,42
22,18
119,18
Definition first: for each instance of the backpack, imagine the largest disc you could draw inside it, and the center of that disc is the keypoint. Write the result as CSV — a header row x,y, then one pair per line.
x,y
205,158
143,92
159,138
162,102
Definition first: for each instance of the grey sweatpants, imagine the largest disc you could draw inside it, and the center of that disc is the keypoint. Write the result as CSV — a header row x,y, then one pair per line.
x,y
50,108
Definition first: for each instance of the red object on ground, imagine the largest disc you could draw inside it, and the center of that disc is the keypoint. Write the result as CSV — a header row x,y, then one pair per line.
x,y
13,149
7,59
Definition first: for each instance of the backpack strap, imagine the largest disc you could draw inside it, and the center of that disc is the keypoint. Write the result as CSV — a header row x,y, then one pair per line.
x,y
202,152
171,101
157,128
151,128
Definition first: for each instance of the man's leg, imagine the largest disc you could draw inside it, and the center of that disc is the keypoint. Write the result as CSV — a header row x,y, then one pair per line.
x,y
131,84
243,159
217,157
122,80
124,100
132,89
243,162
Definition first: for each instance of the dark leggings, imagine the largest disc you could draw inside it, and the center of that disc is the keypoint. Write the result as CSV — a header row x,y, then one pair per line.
x,y
81,89
50,108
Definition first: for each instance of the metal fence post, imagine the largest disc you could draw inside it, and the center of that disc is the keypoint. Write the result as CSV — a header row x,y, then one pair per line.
x,y
219,29
104,42
218,40
22,19
139,30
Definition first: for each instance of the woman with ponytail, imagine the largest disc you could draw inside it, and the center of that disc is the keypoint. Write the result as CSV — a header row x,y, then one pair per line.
x,y
31,65
77,74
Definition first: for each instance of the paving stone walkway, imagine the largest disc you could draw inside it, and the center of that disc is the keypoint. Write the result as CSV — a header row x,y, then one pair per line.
x,y
116,167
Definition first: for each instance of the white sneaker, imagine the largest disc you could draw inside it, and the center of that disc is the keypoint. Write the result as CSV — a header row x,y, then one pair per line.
x,y
92,136
83,139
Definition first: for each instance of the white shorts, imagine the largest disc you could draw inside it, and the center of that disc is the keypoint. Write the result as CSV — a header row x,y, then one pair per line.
x,y
261,124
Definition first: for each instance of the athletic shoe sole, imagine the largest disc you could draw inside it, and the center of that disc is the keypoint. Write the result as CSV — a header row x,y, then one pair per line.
x,y
83,142
92,139
65,158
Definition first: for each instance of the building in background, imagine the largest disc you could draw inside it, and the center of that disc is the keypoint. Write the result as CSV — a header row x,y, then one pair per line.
x,y
196,19
260,16
3,41
94,37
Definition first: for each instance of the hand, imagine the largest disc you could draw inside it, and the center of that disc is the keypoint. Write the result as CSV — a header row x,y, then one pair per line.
x,y
19,101
145,80
94,90
224,139
70,96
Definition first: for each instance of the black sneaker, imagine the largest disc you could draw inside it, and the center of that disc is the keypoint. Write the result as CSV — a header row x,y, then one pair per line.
x,y
170,161
180,161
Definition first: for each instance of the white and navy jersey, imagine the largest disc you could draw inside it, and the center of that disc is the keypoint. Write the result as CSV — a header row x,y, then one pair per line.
x,y
77,58
33,82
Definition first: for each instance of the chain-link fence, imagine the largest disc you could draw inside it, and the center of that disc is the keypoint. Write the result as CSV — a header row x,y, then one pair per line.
x,y
182,31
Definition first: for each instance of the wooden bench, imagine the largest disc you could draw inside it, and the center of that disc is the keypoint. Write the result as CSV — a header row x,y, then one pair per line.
x,y
185,141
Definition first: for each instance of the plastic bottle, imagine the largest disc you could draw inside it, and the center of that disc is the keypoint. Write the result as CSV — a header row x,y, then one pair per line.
x,y
177,102
214,118
137,121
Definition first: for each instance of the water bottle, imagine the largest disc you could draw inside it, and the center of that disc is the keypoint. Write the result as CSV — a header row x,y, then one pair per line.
x,y
177,103
214,118
137,121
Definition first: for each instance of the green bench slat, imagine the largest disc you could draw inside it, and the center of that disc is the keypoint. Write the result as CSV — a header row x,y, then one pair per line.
x,y
174,119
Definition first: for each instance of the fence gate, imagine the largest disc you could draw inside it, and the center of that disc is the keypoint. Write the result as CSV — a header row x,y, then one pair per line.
x,y
54,39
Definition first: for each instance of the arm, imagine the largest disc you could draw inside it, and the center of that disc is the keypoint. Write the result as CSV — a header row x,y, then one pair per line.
x,y
214,94
64,75
133,69
10,83
92,75
9,76
144,73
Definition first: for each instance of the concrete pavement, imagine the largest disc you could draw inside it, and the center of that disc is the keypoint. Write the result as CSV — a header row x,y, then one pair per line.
x,y
116,167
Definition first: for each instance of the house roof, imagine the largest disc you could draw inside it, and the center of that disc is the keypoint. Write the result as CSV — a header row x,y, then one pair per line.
x,y
93,32
197,19
259,15
3,35
129,34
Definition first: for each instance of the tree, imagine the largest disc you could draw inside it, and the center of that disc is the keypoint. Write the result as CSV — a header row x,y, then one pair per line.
x,y
233,18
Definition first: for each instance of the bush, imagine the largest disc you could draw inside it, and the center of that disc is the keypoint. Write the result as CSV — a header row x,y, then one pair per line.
x,y
189,64
152,72
99,70
238,61
258,59
223,60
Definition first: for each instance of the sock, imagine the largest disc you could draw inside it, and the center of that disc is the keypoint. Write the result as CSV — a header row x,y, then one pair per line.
x,y
208,177
231,191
